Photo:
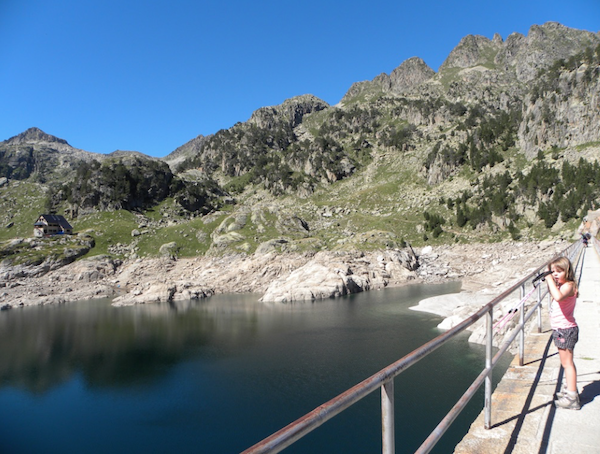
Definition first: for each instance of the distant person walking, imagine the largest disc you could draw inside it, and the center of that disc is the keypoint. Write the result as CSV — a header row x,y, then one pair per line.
x,y
565,331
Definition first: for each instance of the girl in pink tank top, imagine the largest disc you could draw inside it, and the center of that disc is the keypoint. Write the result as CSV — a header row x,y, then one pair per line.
x,y
565,332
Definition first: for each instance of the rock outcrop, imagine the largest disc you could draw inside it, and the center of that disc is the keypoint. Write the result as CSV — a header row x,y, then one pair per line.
x,y
289,114
409,74
333,275
26,257
472,50
187,150
88,278
525,55
543,45
562,112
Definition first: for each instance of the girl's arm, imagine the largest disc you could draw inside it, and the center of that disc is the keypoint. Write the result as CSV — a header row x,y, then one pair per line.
x,y
558,294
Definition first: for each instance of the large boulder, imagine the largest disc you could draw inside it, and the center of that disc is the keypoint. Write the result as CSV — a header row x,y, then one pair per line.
x,y
94,269
329,276
169,250
159,292
310,282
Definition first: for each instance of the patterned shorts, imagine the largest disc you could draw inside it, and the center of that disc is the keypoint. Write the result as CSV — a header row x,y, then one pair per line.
x,y
566,338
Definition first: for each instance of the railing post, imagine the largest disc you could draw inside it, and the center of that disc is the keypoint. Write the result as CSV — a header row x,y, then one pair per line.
x,y
387,418
539,309
522,330
489,325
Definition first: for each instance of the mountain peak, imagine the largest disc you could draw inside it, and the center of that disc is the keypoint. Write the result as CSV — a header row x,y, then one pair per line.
x,y
34,135
411,72
290,111
471,51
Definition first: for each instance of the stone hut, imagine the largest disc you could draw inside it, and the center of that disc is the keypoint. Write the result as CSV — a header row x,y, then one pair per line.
x,y
51,224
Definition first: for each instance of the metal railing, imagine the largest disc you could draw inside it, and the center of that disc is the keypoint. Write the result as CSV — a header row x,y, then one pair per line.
x,y
384,379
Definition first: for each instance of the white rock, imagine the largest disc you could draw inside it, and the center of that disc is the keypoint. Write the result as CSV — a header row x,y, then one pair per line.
x,y
426,250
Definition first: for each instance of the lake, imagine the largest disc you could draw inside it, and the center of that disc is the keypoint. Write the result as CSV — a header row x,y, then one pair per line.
x,y
218,375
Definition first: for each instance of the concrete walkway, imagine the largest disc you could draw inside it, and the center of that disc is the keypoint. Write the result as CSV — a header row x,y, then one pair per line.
x,y
524,419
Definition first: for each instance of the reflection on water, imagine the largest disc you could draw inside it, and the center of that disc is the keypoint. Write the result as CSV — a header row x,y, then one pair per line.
x,y
218,375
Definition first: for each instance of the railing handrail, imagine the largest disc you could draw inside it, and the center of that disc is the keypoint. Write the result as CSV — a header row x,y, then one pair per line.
x,y
310,421
436,434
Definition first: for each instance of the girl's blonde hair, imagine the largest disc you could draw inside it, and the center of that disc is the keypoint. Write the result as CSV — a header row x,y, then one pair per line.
x,y
564,264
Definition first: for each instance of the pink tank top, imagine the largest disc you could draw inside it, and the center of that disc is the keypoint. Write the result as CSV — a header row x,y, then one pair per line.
x,y
561,313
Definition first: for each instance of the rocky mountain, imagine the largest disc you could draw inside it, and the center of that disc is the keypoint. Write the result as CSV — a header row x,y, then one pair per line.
x,y
409,74
522,55
187,150
501,142
35,152
82,182
36,136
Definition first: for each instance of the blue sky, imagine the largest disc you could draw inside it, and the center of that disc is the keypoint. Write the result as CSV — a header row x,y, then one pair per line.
x,y
150,75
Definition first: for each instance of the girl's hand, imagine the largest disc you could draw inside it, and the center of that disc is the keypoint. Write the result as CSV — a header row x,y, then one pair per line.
x,y
558,294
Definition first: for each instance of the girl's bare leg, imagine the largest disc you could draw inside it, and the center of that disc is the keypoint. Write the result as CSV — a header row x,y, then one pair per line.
x,y
566,360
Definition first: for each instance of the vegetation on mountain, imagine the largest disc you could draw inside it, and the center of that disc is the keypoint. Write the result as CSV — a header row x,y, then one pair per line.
x,y
131,184
51,252
484,149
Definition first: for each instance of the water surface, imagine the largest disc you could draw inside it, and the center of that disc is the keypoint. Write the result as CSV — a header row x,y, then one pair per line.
x,y
219,375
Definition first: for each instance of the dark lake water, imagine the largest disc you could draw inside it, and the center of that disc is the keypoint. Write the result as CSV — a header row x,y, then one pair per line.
x,y
219,375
